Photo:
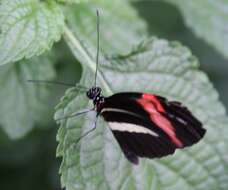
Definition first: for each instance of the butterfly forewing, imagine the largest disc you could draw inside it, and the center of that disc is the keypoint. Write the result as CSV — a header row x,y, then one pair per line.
x,y
146,125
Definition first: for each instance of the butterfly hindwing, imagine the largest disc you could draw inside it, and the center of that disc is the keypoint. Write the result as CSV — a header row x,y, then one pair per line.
x,y
136,145
146,125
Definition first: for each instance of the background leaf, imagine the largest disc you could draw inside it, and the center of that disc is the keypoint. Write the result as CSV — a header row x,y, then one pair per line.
x,y
129,28
165,21
164,68
23,103
73,1
29,163
28,28
208,19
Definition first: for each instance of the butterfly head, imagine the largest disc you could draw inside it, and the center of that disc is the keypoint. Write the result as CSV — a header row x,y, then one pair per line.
x,y
93,92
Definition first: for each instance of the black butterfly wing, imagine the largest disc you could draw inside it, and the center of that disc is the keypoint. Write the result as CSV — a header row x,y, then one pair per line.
x,y
146,125
187,128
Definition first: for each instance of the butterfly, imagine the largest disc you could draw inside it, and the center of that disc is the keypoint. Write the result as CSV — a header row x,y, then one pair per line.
x,y
147,125
143,124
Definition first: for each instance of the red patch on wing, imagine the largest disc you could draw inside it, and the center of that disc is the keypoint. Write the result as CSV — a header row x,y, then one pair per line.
x,y
152,105
151,98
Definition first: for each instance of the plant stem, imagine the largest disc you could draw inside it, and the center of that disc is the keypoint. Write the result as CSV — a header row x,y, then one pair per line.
x,y
81,54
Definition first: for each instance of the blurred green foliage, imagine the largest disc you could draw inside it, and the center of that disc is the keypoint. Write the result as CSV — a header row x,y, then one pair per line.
x,y
30,162
170,25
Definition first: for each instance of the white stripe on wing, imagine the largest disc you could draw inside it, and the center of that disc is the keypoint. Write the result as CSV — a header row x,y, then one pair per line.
x,y
130,127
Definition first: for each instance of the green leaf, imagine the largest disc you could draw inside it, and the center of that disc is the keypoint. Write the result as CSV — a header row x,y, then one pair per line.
x,y
119,28
208,19
28,28
22,103
73,1
165,68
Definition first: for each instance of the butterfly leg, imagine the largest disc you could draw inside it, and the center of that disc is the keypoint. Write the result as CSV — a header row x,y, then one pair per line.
x,y
77,113
89,131
74,145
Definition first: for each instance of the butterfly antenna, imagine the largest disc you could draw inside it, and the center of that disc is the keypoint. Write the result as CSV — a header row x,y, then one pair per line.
x,y
98,45
51,82
58,83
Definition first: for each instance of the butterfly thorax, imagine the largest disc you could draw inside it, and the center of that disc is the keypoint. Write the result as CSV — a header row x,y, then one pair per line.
x,y
94,94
